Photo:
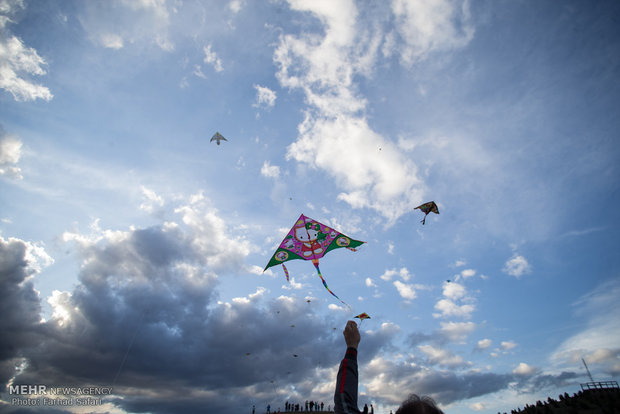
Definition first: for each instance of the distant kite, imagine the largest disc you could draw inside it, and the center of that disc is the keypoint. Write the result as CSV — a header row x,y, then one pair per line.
x,y
362,316
427,208
217,138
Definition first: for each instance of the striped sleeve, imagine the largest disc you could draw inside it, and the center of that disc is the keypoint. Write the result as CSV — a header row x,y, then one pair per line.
x,y
345,397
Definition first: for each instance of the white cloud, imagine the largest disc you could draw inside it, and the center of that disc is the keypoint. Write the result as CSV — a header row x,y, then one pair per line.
x,y
390,248
598,341
292,285
454,290
209,235
61,306
10,154
426,26
457,331
448,308
324,68
257,270
387,183
236,6
442,356
271,171
198,72
36,256
18,62
370,282
151,200
112,41
403,273
265,97
252,297
484,343
467,273
212,59
517,266
406,291
523,369
455,303
508,345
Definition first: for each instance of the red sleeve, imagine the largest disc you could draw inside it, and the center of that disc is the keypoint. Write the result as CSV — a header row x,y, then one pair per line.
x,y
345,397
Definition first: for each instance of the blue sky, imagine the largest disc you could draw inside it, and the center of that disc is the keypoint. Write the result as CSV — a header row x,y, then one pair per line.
x,y
132,248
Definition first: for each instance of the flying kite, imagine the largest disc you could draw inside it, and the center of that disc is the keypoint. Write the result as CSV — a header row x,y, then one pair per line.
x,y
311,240
218,137
427,208
362,316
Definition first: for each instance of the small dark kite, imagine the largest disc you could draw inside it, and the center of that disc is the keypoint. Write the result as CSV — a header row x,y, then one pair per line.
x,y
427,208
218,137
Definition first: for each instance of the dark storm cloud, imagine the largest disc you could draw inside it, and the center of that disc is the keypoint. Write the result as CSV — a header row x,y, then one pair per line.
x,y
19,305
144,319
547,381
445,386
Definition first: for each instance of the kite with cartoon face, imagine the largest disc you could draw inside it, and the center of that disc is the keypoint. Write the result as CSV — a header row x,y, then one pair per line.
x,y
310,240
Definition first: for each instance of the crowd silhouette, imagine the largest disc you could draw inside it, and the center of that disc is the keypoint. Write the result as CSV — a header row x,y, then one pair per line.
x,y
604,401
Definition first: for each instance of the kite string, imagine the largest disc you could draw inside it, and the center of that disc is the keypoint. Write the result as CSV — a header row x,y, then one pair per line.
x,y
316,264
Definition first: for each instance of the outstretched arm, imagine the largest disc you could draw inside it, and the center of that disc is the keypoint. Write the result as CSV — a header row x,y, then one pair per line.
x,y
345,397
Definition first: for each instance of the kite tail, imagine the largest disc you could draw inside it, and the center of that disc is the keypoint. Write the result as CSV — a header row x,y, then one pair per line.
x,y
316,264
352,249
286,272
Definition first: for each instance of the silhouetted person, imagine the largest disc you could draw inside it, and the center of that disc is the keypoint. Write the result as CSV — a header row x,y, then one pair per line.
x,y
365,409
345,396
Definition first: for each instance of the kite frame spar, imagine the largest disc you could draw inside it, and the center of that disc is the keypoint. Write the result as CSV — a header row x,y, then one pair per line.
x,y
293,246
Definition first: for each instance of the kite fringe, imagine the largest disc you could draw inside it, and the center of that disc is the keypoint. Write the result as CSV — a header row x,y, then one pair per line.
x,y
326,287
286,273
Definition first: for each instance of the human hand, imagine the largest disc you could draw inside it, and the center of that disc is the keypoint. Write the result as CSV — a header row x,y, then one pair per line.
x,y
351,335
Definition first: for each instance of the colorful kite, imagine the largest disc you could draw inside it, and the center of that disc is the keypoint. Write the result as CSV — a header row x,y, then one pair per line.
x,y
363,316
310,240
218,137
427,208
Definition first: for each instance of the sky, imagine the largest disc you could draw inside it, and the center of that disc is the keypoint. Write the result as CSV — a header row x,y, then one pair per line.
x,y
132,248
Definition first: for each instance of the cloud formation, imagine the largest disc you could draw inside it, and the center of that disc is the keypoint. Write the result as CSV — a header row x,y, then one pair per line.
x,y
18,62
517,266
10,154
265,97
425,27
145,311
376,174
